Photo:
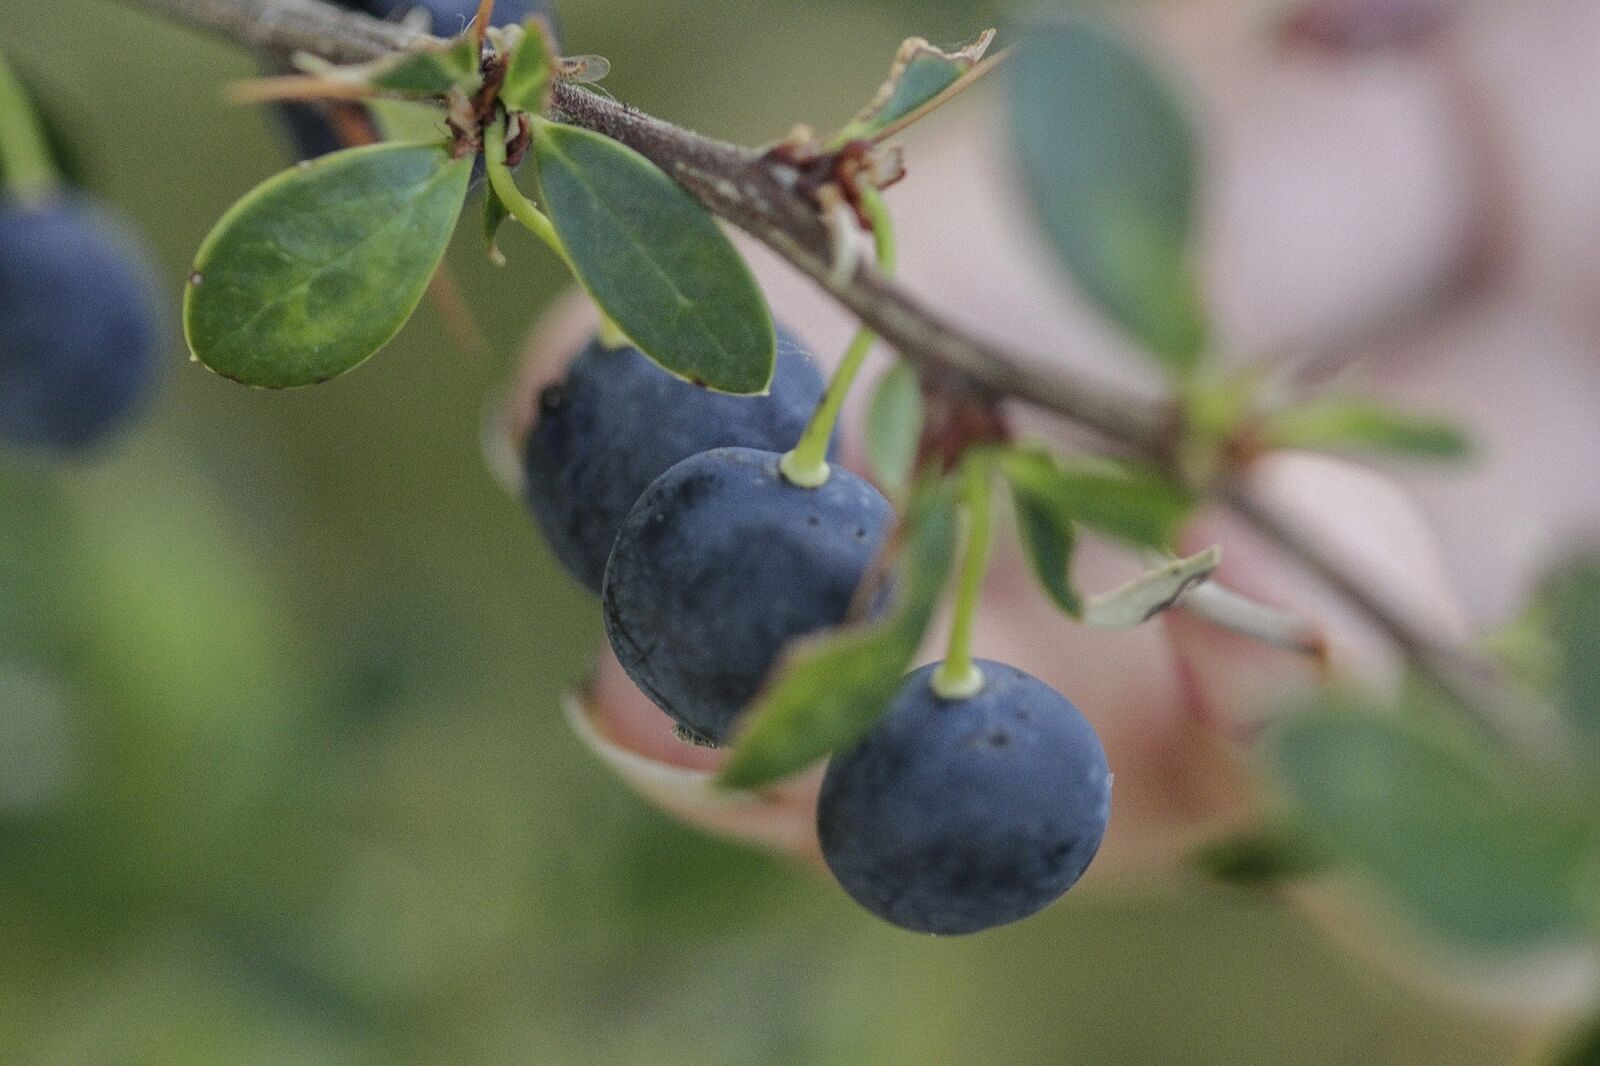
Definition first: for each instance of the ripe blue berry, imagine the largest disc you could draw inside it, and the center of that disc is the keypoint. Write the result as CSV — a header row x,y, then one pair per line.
x,y
616,422
450,17
721,564
78,330
959,815
309,130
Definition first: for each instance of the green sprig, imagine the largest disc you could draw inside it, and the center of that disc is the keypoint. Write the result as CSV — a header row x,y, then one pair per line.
x,y
535,221
958,677
806,464
29,167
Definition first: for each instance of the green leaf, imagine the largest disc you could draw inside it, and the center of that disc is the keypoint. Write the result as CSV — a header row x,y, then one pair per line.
x,y
318,267
1448,831
1044,521
410,121
1571,600
428,72
830,689
27,161
1260,857
1111,164
1150,593
655,262
1580,1047
921,72
894,426
1133,505
1121,501
58,119
1342,424
527,84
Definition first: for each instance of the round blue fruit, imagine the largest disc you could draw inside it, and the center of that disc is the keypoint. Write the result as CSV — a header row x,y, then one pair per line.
x,y
720,565
451,17
954,816
78,332
309,129
616,422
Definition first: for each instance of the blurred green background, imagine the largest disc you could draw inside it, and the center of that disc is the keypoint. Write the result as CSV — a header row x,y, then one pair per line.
x,y
283,774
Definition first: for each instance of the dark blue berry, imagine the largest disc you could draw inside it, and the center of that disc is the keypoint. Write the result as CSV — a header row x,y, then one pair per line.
x,y
959,815
720,565
310,128
78,332
451,17
616,422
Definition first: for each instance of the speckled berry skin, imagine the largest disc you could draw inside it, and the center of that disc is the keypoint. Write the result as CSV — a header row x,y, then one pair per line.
x,y
616,422
78,329
954,816
721,564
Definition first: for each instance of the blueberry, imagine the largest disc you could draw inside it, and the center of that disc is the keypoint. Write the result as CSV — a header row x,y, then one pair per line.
x,y
450,17
78,331
617,421
310,129
959,815
308,125
721,564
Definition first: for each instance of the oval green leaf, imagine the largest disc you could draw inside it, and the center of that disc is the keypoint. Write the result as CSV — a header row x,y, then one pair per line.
x,y
1121,501
429,71
1109,159
1044,524
527,84
655,262
319,267
920,74
1356,425
1571,603
28,163
1452,834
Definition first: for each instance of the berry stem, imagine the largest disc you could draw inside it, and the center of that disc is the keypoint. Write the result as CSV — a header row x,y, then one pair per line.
x,y
30,170
532,219
522,209
958,678
806,464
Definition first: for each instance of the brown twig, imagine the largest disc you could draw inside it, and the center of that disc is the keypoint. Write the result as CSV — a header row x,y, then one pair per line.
x,y
758,193
1472,681
333,33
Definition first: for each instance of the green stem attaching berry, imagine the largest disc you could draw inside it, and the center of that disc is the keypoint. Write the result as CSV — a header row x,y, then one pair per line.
x,y
504,185
29,170
958,677
532,219
807,465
